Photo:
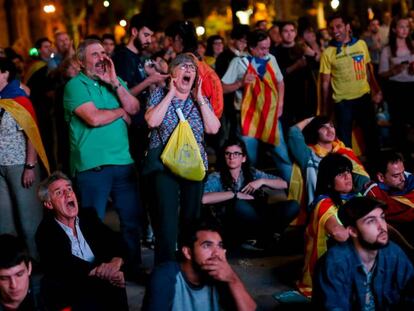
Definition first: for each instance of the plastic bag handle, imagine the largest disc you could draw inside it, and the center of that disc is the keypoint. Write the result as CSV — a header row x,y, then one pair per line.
x,y
180,114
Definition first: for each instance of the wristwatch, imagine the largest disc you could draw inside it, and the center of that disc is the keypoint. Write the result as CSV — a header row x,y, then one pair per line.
x,y
29,166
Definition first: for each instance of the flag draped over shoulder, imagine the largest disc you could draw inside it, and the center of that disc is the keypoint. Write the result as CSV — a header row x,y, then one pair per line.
x,y
21,109
339,147
316,241
260,105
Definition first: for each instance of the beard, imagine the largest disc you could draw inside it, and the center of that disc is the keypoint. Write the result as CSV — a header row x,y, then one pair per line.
x,y
372,245
137,44
203,274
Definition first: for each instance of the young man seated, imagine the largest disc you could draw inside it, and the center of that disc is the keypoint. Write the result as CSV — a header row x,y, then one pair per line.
x,y
80,256
15,270
367,272
202,280
395,187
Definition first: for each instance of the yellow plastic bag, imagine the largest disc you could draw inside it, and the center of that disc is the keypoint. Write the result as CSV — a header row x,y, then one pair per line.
x,y
182,154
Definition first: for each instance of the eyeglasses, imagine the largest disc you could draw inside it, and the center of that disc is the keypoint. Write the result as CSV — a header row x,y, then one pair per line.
x,y
235,154
189,67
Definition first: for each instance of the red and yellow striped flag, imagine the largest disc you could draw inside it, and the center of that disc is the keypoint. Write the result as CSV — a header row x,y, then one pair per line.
x,y
259,107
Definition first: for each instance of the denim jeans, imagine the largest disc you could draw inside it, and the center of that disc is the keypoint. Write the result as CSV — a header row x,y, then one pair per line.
x,y
120,183
280,155
20,209
361,111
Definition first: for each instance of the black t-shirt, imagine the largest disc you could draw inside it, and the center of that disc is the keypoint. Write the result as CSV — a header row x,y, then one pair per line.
x,y
130,68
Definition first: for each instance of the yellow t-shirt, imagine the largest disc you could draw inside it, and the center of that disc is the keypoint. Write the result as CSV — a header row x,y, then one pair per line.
x,y
347,69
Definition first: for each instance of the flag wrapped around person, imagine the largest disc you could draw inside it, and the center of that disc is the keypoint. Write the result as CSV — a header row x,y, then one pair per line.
x,y
260,106
21,109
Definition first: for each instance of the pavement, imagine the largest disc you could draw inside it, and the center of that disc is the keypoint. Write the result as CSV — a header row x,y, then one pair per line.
x,y
262,273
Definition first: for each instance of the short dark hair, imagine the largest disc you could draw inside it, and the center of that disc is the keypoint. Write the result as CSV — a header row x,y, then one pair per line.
x,y
340,15
386,157
188,234
239,31
285,23
210,43
255,37
186,31
39,42
139,21
108,36
93,36
310,132
12,251
356,208
7,65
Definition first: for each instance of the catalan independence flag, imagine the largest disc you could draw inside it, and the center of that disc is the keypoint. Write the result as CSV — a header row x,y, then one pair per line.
x,y
359,66
339,147
21,109
316,241
259,106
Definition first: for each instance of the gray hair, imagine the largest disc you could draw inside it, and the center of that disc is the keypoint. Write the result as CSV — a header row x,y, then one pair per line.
x,y
43,190
81,51
181,59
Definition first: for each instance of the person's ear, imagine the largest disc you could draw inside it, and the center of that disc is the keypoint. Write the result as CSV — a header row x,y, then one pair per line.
x,y
380,177
352,231
187,252
48,205
29,268
134,32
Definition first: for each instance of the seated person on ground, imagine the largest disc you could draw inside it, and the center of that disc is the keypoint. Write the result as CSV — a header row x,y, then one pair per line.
x,y
395,187
310,141
202,280
15,270
236,186
367,272
333,188
80,256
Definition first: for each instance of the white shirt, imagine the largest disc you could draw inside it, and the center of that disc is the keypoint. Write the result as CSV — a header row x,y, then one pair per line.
x,y
80,248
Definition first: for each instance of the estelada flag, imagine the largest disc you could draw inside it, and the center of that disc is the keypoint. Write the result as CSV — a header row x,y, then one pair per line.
x,y
21,109
259,106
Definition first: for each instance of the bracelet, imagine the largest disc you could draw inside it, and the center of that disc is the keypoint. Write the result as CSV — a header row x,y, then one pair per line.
x,y
29,166
203,102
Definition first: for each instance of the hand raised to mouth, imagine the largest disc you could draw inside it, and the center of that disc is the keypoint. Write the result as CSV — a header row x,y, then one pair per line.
x,y
109,74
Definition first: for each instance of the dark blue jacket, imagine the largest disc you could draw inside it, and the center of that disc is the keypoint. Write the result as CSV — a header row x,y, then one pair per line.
x,y
339,280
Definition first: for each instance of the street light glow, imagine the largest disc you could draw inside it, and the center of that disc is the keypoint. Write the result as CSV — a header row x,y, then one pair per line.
x,y
244,16
200,30
334,4
106,4
49,8
122,22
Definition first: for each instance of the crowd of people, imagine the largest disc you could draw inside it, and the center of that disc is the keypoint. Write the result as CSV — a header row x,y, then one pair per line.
x,y
320,117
